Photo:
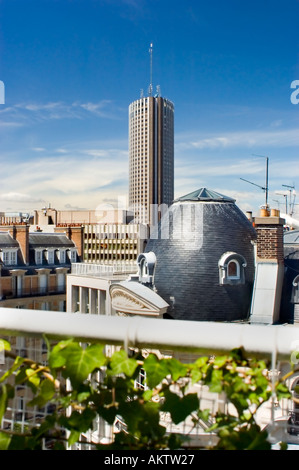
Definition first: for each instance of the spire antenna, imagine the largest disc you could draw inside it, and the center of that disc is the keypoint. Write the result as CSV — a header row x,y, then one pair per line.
x,y
151,70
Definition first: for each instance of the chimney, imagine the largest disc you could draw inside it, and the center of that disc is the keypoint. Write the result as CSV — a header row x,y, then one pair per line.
x,y
20,232
269,272
269,230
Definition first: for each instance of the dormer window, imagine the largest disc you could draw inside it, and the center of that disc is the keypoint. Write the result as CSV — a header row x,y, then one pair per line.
x,y
146,263
50,256
62,257
232,268
73,255
38,256
9,257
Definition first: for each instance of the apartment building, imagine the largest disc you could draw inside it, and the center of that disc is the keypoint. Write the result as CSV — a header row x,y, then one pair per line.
x,y
151,156
34,265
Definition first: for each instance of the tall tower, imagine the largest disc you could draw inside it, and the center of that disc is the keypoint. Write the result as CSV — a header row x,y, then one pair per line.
x,y
151,155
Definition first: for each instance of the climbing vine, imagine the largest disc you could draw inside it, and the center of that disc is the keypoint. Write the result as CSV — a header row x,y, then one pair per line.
x,y
83,383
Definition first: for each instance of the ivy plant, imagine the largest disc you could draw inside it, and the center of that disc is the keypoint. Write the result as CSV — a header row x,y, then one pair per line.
x,y
83,383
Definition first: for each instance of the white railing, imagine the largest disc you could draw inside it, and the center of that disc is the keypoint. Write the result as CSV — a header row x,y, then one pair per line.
x,y
94,269
141,332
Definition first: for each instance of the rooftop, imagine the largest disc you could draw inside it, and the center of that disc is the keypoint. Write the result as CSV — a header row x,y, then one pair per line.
x,y
204,194
291,237
49,240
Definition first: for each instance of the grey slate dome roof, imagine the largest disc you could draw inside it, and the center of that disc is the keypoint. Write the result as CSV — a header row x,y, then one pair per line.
x,y
194,242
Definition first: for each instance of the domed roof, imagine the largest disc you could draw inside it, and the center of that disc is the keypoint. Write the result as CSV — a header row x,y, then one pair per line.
x,y
194,242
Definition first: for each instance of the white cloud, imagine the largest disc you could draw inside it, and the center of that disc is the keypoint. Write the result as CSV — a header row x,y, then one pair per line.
x,y
260,138
64,179
38,149
19,197
21,112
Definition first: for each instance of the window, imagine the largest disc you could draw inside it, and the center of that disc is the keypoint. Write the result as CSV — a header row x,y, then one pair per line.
x,y
232,268
43,283
9,257
50,255
62,256
73,256
38,257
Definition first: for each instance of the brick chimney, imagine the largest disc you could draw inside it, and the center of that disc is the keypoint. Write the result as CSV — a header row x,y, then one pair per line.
x,y
269,231
269,267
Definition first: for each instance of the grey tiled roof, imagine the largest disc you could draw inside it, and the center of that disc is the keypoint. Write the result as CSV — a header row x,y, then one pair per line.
x,y
56,240
6,241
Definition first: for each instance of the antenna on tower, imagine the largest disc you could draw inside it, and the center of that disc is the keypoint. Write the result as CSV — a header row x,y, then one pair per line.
x,y
150,90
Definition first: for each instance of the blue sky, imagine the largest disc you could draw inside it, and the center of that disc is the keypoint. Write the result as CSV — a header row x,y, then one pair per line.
x,y
72,67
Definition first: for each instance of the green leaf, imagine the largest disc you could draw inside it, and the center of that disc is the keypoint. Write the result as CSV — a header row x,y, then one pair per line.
x,y
18,362
215,384
33,377
80,362
121,364
4,345
196,375
79,422
4,440
156,370
47,391
178,407
147,395
57,358
74,437
220,361
283,391
176,369
3,401
202,362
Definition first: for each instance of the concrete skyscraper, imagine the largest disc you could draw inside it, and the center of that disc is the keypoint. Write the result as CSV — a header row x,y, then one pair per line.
x,y
151,155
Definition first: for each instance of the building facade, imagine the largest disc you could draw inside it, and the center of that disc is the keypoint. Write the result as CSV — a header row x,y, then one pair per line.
x,y
34,265
151,156
113,243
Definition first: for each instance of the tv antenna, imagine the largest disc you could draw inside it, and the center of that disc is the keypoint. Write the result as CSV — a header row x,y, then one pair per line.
x,y
266,187
291,203
150,90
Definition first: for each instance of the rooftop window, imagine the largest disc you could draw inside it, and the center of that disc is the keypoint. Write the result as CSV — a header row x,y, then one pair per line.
x,y
232,268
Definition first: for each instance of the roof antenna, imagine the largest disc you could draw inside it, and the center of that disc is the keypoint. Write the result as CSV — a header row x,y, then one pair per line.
x,y
150,90
266,187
